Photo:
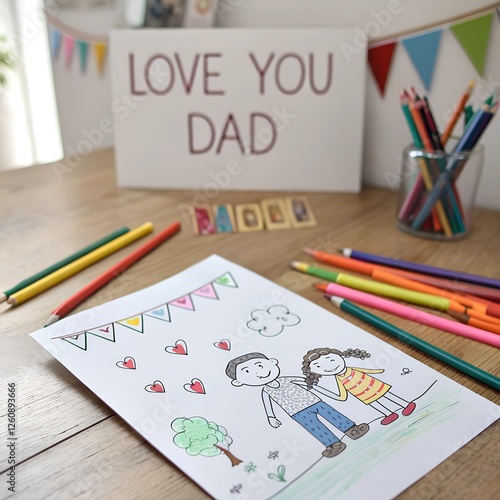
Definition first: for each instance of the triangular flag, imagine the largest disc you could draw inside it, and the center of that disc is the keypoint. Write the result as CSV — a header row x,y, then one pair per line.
x,y
422,50
54,42
380,59
79,341
226,280
183,302
207,291
134,322
83,47
161,312
69,45
106,332
473,36
100,55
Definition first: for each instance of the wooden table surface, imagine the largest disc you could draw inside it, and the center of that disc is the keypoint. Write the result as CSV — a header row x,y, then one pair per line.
x,y
70,444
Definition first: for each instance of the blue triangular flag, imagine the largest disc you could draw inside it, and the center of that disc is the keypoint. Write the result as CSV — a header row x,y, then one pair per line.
x,y
55,42
422,50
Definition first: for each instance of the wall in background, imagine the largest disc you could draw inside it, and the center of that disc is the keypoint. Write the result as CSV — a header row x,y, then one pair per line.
x,y
84,100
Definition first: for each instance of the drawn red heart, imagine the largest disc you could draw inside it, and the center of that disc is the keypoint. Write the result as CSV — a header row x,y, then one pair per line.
x,y
195,386
181,301
105,330
224,344
156,386
180,347
128,362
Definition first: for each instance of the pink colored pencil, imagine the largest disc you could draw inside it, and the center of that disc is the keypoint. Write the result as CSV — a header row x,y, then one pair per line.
x,y
415,315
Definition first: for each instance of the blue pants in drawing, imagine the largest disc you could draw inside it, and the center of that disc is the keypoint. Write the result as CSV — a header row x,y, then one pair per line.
x,y
308,419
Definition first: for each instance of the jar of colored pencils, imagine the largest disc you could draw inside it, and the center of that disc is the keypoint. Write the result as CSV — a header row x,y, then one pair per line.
x,y
437,192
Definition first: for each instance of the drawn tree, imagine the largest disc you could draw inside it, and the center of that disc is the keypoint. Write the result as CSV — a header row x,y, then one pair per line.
x,y
198,436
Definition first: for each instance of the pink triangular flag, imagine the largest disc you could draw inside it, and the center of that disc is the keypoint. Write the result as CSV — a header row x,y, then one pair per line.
x,y
207,291
183,302
69,46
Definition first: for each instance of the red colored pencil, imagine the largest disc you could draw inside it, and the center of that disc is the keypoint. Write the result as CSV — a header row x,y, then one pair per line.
x,y
113,272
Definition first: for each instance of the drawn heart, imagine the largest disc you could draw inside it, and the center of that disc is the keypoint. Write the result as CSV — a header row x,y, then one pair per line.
x,y
224,344
195,386
133,321
223,279
205,289
156,386
181,301
159,312
105,330
180,347
128,362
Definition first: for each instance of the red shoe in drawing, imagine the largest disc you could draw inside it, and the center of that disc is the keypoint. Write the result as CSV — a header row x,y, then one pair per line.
x,y
409,409
389,419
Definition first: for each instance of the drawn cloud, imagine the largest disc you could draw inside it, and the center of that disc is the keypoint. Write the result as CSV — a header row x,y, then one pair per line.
x,y
271,322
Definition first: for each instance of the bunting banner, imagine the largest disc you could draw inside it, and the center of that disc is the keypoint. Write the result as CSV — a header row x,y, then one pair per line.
x,y
473,35
161,312
73,40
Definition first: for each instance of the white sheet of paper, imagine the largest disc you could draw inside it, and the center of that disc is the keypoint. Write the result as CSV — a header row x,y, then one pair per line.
x,y
158,358
221,109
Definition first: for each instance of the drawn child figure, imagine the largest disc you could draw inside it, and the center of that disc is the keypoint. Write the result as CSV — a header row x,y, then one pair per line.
x,y
256,370
326,362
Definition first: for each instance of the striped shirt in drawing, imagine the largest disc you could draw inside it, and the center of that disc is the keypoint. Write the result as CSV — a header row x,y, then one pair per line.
x,y
359,383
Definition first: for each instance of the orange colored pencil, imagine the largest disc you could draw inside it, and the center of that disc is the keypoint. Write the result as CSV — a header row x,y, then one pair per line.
x,y
483,316
422,131
456,113
476,323
113,272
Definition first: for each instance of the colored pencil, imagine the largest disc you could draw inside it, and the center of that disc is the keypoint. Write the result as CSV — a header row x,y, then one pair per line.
x,y
54,267
407,312
422,299
456,113
78,265
426,176
476,293
386,275
421,345
113,272
475,322
421,268
466,143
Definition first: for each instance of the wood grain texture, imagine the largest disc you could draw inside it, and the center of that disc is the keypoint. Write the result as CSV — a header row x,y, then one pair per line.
x,y
71,445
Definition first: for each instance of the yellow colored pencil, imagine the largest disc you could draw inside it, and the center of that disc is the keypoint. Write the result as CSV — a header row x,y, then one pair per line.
x,y
79,265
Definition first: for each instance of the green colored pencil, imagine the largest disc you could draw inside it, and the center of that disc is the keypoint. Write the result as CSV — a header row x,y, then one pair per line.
x,y
54,267
422,345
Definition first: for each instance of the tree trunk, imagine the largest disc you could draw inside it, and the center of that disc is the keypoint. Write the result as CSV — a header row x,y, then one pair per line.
x,y
234,460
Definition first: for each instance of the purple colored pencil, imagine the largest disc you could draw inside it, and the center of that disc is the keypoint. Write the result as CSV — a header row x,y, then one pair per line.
x,y
421,268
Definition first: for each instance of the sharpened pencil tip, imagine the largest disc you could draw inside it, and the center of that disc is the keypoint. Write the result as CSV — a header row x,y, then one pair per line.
x,y
12,301
3,298
310,251
52,319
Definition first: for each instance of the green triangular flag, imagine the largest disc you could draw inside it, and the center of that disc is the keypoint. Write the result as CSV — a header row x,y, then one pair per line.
x,y
473,36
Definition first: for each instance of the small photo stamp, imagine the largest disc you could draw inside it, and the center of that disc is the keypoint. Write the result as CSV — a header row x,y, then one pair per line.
x,y
203,220
300,212
249,217
275,214
224,218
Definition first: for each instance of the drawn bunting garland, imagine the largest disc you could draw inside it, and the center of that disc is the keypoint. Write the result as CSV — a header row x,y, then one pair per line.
x,y
160,312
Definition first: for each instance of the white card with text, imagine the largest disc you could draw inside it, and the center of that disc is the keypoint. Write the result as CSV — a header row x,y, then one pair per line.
x,y
257,109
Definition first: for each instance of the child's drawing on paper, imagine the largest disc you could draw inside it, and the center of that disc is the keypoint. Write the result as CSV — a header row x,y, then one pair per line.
x,y
358,382
272,322
198,436
290,393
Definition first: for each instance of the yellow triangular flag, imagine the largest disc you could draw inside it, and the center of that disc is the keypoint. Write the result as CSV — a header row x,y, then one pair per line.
x,y
100,55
